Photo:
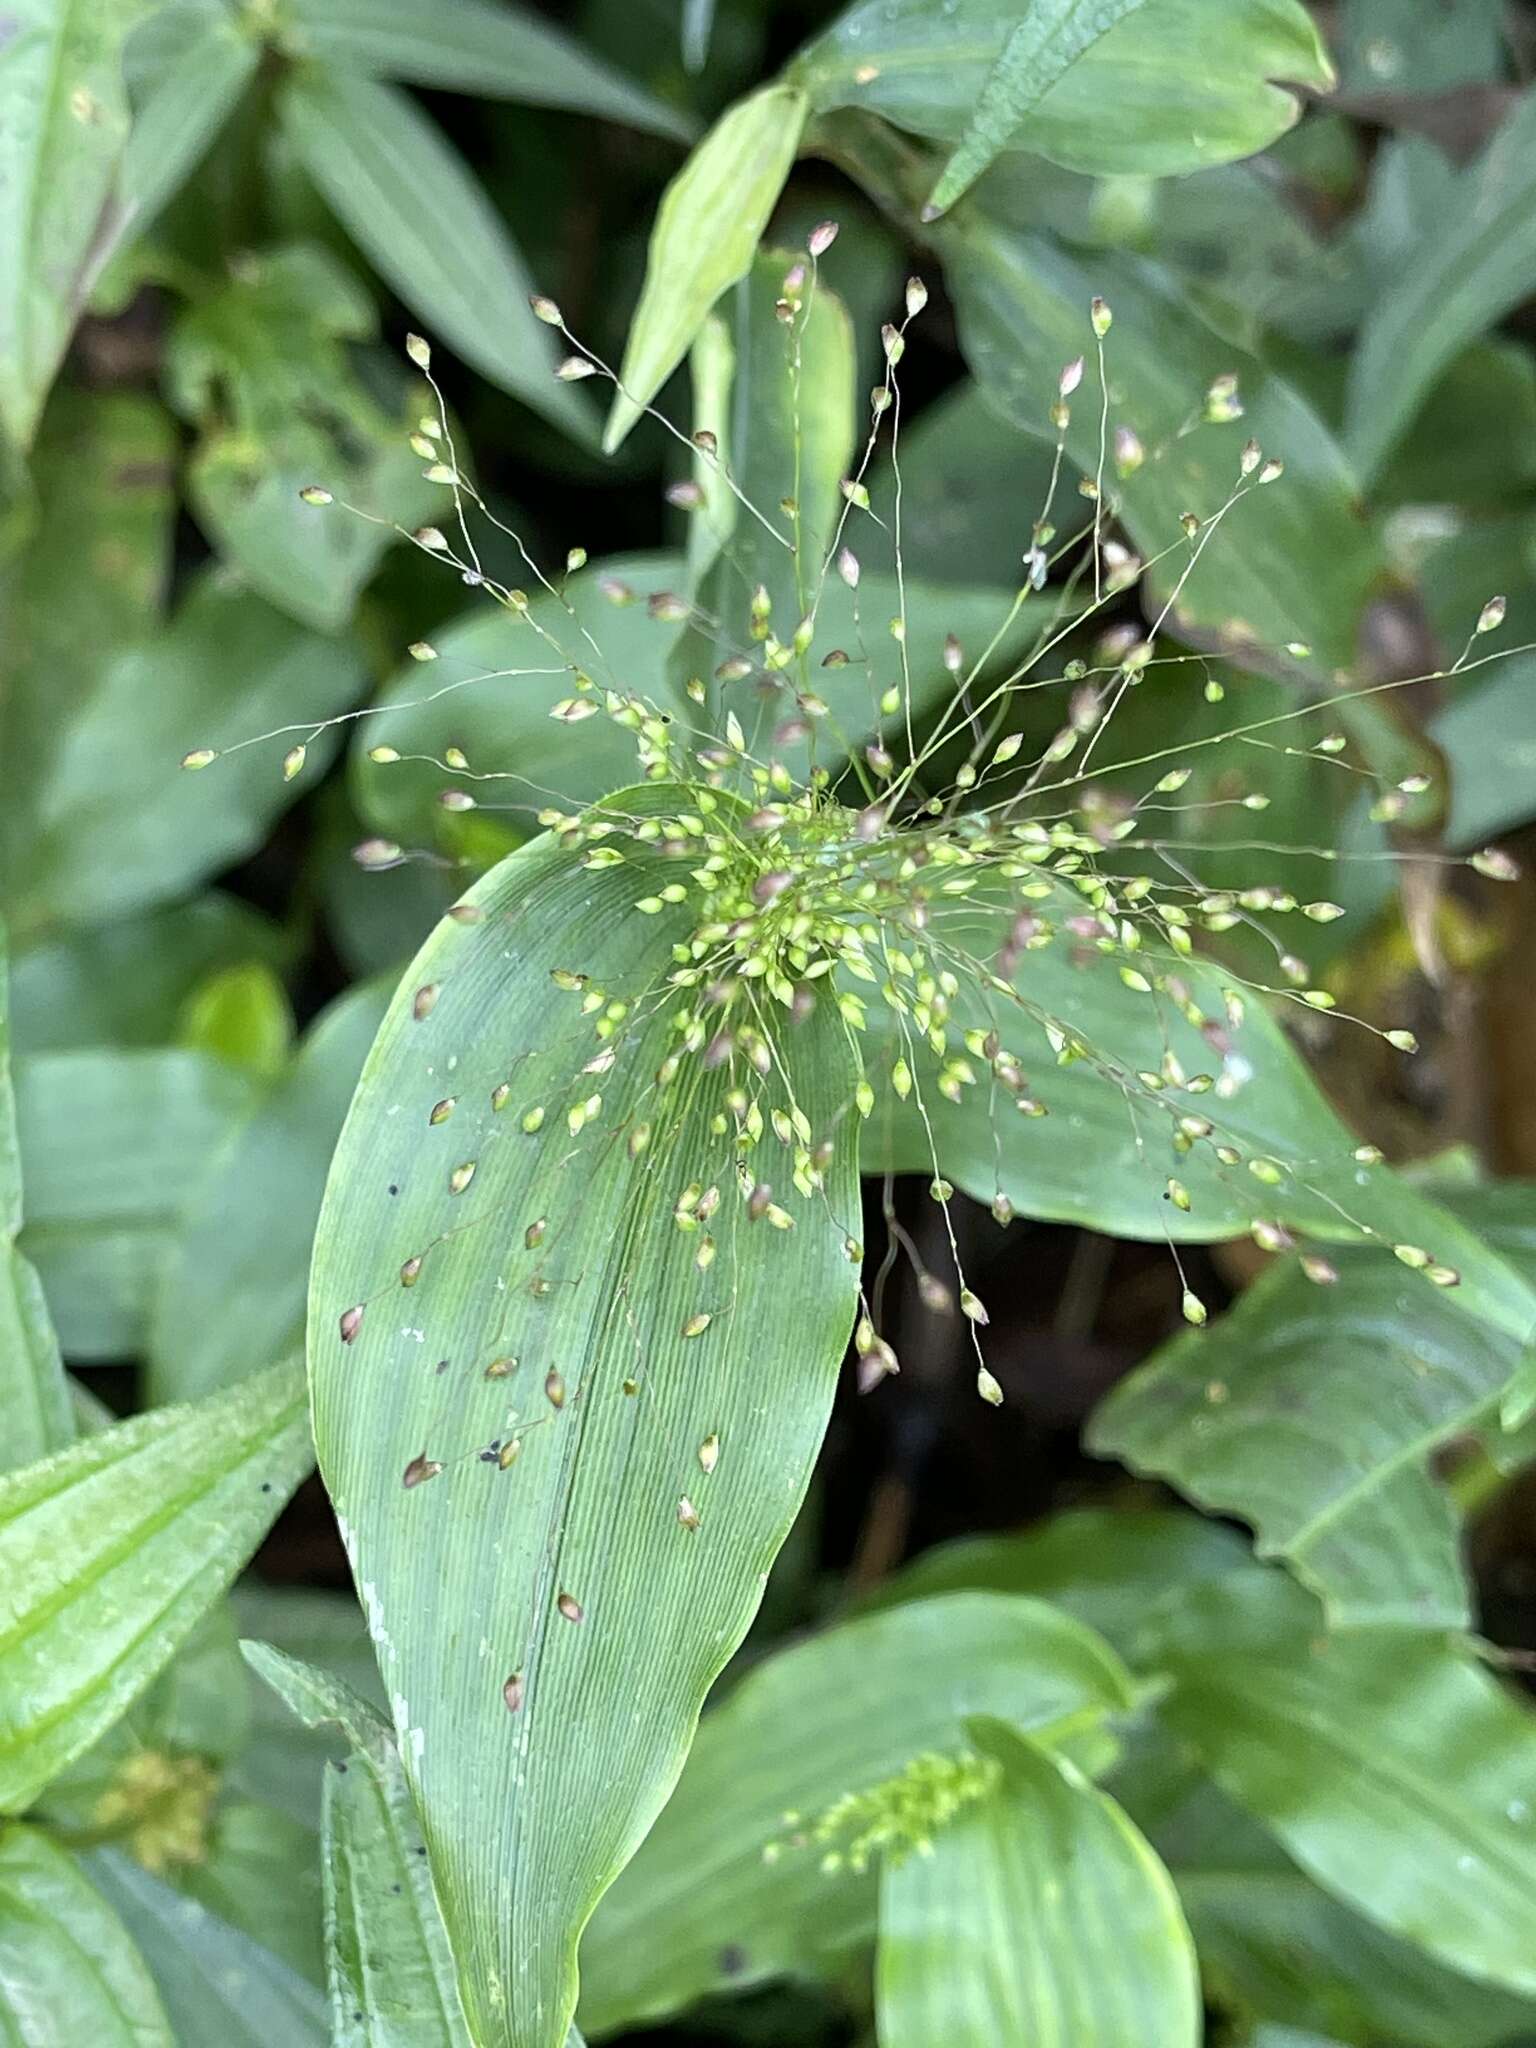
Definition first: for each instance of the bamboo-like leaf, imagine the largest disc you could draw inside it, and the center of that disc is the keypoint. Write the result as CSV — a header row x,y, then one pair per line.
x,y
388,1962
1177,85
63,120
1296,1163
1038,1910
69,1972
1474,259
409,202
1394,1770
498,52
115,1146
232,1294
1312,1413
506,1317
722,1895
34,1394
217,1985
201,61
708,226
1037,54
113,1550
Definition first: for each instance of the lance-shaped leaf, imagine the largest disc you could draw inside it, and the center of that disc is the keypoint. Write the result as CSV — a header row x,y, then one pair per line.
x,y
34,1394
1396,1771
708,225
1084,1042
216,1983
567,1390
730,1888
68,1970
1039,1909
494,52
388,1963
409,202
1312,1413
232,1293
1040,51
113,1550
186,69
64,117
115,1146
1173,86
1474,259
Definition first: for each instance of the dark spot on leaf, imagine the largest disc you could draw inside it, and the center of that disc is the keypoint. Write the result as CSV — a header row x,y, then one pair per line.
x,y
733,1959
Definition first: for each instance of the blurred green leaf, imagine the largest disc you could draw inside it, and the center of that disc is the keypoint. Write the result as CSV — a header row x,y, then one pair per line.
x,y
1474,260
283,1762
69,1971
218,1986
34,1393
490,692
1100,1155
1394,1770
499,52
231,1294
1038,1908
1267,1415
186,73
1174,86
390,1967
125,983
599,1286
113,1550
707,229
242,1015
1035,56
261,366
261,1875
703,1907
116,825
1489,737
1401,46
90,578
115,1145
63,117
408,201
1474,438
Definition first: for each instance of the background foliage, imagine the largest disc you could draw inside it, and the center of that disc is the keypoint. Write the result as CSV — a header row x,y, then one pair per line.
x,y
1182,1696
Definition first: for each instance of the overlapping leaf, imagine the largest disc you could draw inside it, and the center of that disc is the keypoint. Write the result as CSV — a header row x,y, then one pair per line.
x,y
602,1441
33,1390
68,1970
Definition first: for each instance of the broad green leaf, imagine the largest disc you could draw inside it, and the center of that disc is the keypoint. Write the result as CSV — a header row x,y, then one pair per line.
x,y
1474,438
261,1874
116,825
34,1394
972,487
1105,1152
231,1296
1394,1770
1102,1566
241,1015
1047,42
1176,85
125,983
498,676
1476,258
707,229
510,1665
1039,1912
497,52
113,1550
1293,560
63,120
262,367
115,1146
1489,737
104,498
198,61
703,1908
388,1961
409,202
69,1972
217,1984
1270,1415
